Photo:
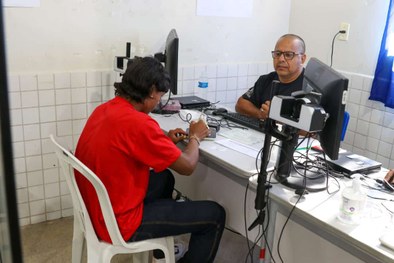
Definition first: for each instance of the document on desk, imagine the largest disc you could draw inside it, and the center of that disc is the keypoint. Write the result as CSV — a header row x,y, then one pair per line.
x,y
239,147
243,136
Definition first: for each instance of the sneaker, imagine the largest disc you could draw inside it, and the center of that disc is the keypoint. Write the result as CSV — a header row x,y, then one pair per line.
x,y
180,249
182,199
179,197
176,194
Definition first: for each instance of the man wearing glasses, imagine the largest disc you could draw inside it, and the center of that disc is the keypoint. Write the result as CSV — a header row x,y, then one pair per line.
x,y
288,59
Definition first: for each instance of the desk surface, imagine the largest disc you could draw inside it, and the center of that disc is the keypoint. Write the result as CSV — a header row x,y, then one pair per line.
x,y
238,162
317,211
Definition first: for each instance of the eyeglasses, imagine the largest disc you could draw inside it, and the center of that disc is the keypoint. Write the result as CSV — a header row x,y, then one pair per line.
x,y
288,55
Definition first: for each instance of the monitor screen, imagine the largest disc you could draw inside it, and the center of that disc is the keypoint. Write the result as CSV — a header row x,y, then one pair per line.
x,y
333,86
170,59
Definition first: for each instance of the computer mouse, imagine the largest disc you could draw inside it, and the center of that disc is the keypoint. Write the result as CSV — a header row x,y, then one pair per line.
x,y
219,111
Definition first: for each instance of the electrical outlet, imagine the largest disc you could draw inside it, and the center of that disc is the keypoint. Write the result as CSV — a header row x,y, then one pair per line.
x,y
346,27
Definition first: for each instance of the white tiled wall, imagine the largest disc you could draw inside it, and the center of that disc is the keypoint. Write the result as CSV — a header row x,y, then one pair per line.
x,y
371,127
60,103
226,81
43,104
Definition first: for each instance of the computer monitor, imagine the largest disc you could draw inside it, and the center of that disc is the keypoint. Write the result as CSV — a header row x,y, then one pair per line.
x,y
333,86
319,78
170,59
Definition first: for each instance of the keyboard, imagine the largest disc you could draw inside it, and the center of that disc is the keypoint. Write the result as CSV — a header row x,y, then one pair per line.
x,y
249,122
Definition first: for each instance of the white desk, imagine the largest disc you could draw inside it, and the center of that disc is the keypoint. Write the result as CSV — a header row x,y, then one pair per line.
x,y
238,163
318,213
223,175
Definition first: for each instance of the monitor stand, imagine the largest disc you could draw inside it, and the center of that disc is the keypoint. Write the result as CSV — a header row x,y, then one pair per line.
x,y
286,174
312,182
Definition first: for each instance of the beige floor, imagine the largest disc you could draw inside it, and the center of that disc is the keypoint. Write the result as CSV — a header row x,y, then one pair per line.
x,y
51,242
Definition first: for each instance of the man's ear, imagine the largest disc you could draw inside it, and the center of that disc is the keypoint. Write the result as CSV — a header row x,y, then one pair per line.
x,y
303,58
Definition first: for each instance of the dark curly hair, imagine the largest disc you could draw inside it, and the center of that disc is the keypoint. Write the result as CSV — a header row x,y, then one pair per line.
x,y
141,77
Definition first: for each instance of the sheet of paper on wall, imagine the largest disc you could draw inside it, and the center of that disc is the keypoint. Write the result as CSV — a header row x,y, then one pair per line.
x,y
21,3
226,8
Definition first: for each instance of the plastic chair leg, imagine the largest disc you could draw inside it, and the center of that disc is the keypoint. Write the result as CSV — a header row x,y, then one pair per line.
x,y
78,243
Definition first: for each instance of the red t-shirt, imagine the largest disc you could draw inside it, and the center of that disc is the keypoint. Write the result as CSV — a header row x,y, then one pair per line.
x,y
120,145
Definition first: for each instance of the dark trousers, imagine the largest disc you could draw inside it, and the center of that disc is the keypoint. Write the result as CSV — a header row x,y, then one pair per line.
x,y
163,216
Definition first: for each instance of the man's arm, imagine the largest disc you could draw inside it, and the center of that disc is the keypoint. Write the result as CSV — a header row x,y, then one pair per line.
x,y
247,108
187,162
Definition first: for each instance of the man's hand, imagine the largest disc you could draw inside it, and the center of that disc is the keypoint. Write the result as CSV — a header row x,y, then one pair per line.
x,y
390,176
199,129
177,135
264,110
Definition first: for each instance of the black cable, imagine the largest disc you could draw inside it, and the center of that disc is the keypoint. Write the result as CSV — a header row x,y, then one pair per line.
x,y
284,226
229,125
299,198
305,168
332,44
265,229
380,198
268,216
388,210
233,231
258,237
246,227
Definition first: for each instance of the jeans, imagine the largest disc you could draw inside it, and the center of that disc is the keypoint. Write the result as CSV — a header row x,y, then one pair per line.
x,y
163,216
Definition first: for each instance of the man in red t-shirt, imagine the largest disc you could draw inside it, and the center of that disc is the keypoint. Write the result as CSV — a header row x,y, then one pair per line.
x,y
129,152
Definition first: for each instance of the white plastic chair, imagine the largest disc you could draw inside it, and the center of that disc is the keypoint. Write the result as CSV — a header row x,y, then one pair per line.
x,y
97,250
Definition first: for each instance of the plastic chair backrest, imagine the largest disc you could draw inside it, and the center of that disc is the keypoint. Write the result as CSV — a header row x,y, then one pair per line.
x,y
99,251
68,163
